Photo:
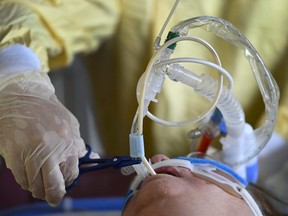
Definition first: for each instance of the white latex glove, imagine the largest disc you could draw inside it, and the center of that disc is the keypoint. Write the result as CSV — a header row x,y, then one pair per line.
x,y
39,138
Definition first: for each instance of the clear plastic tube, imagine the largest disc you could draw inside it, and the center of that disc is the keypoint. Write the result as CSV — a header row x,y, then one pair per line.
x,y
207,86
229,106
266,83
161,55
178,73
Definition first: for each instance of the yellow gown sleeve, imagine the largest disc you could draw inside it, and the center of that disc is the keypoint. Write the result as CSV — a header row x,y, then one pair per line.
x,y
57,29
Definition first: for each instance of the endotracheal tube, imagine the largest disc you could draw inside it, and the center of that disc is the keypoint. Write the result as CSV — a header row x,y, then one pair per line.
x,y
241,142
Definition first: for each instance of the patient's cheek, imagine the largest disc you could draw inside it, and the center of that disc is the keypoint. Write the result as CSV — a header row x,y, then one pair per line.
x,y
153,191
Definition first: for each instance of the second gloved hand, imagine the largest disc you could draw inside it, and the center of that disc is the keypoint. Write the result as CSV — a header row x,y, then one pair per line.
x,y
39,138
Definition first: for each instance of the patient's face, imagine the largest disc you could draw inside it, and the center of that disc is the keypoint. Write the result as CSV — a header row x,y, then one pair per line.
x,y
176,191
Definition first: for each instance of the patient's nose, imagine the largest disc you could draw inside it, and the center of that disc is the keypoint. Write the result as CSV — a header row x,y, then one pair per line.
x,y
158,158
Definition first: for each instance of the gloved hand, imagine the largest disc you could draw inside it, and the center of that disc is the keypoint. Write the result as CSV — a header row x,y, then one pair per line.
x,y
39,138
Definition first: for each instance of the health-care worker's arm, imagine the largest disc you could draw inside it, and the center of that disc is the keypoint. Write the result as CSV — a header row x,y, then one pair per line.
x,y
39,137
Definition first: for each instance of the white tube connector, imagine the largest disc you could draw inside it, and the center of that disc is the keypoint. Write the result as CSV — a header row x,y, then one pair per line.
x,y
137,150
136,146
154,86
235,147
179,73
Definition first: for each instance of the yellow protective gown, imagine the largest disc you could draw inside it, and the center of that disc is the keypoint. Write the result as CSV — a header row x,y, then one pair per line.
x,y
119,34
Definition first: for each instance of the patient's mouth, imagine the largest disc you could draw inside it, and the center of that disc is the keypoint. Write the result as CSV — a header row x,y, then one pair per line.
x,y
170,170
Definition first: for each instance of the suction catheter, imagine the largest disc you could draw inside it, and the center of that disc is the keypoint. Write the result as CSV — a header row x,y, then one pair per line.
x,y
240,142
